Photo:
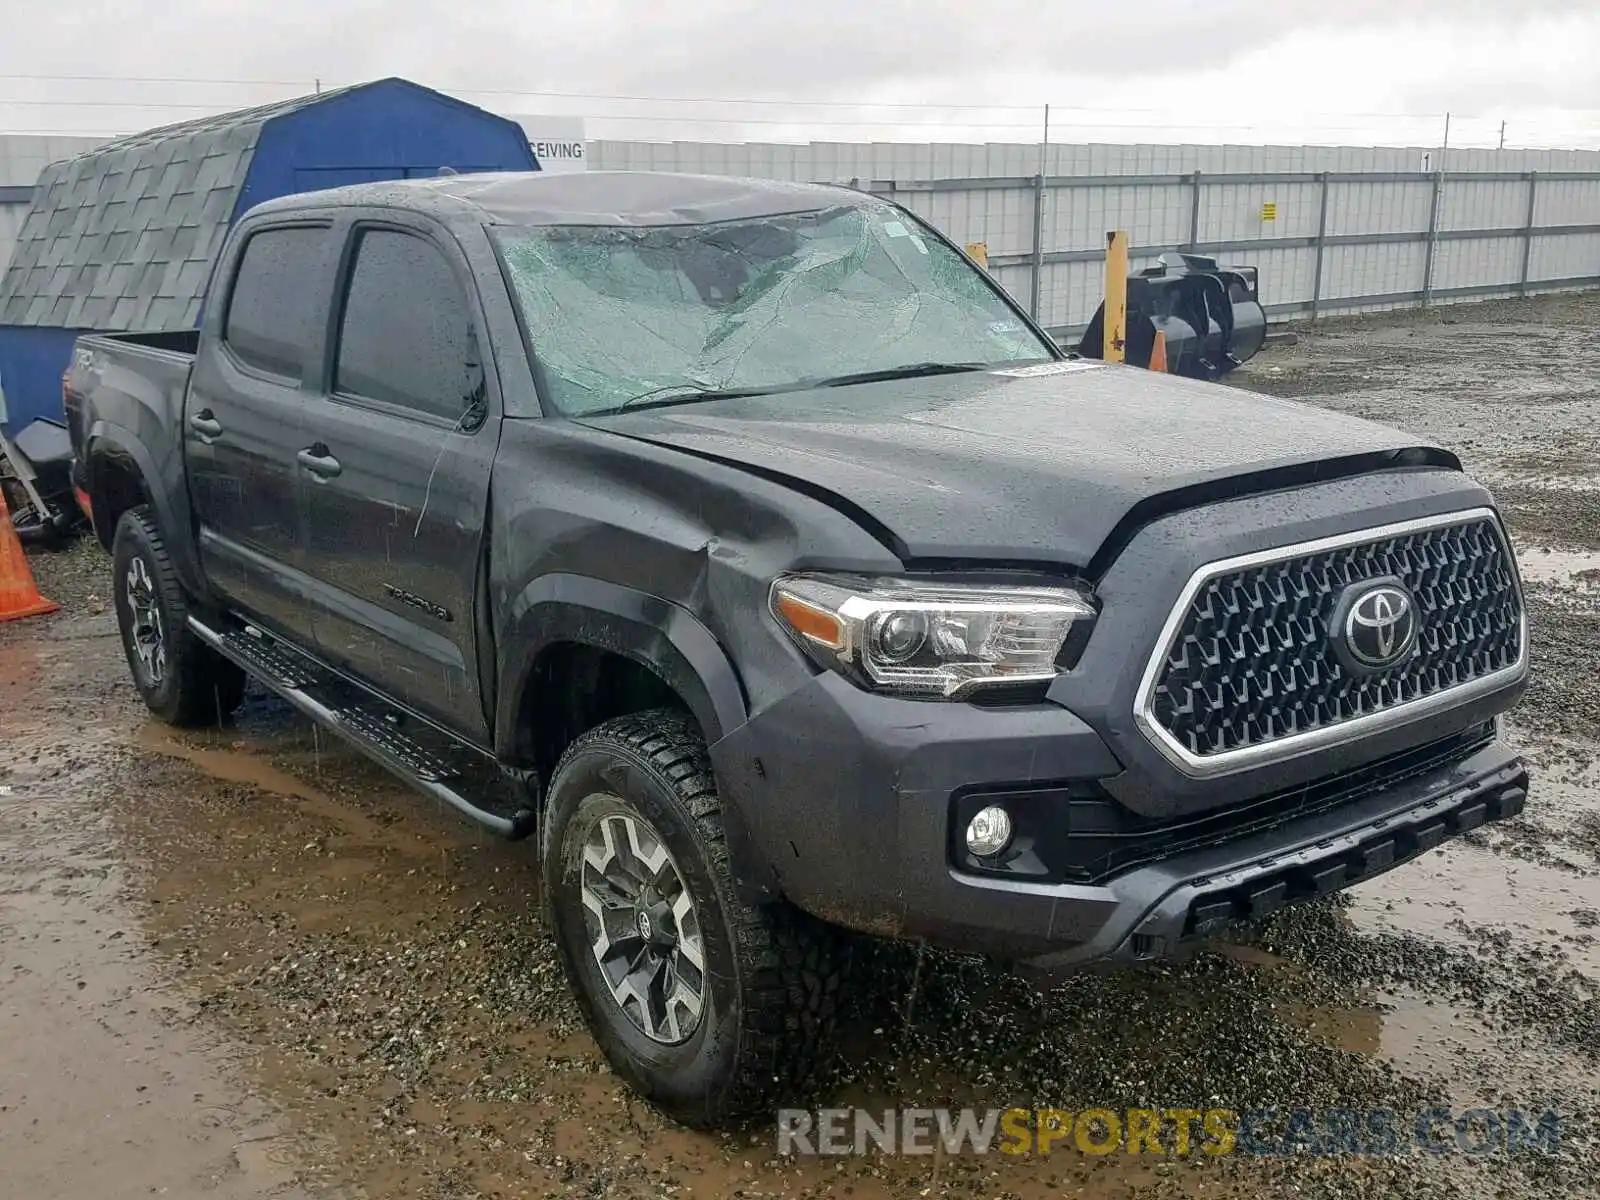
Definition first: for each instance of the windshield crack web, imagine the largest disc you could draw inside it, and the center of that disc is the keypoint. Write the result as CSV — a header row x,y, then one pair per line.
x,y
622,314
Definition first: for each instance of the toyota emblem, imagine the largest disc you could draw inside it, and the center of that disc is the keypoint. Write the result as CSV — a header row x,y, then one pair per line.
x,y
1375,626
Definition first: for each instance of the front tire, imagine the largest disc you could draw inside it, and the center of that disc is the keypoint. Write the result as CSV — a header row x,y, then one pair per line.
x,y
181,679
710,1007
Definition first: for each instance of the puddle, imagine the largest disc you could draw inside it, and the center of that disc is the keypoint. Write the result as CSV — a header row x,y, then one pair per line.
x,y
1580,567
1355,1030
1469,1059
109,1087
1465,885
224,757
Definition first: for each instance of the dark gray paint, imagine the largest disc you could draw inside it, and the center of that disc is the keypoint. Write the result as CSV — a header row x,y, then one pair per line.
x,y
986,466
637,198
656,535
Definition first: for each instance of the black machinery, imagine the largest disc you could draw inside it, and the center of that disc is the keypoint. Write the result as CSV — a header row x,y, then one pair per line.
x,y
36,478
1211,316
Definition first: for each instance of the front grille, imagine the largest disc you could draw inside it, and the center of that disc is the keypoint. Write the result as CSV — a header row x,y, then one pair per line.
x,y
1251,661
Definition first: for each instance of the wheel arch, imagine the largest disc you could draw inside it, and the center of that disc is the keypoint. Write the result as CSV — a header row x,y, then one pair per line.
x,y
653,651
123,474
664,638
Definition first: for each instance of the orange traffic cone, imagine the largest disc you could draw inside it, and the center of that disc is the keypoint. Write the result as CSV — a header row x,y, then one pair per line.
x,y
19,595
1158,352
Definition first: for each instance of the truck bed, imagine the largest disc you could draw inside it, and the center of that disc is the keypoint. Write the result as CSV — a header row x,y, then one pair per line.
x,y
176,341
124,393
127,379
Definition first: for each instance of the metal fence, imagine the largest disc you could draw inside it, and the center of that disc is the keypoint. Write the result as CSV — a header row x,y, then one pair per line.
x,y
1324,241
1332,229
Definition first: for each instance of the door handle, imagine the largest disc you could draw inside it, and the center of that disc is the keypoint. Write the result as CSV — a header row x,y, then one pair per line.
x,y
205,424
319,462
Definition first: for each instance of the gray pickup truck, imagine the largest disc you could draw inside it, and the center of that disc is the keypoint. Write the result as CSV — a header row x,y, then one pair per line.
x,y
748,545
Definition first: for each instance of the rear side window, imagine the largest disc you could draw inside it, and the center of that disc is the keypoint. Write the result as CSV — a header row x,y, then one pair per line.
x,y
406,334
274,301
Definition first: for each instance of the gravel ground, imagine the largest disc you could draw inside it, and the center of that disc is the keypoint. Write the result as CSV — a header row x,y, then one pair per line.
x,y
361,992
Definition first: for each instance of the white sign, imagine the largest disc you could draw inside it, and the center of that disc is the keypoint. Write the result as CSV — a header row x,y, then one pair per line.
x,y
557,142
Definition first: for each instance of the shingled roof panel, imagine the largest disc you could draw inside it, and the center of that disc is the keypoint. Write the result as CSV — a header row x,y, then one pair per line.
x,y
108,229
124,237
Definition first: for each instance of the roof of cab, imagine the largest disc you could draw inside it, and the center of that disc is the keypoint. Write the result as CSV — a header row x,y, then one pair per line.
x,y
637,198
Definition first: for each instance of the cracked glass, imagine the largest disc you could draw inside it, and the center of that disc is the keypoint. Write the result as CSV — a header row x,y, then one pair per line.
x,y
623,315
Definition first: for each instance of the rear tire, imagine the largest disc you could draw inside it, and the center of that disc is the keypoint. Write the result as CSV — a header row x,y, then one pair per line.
x,y
181,679
729,1006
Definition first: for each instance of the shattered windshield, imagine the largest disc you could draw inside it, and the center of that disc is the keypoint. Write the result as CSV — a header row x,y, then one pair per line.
x,y
622,315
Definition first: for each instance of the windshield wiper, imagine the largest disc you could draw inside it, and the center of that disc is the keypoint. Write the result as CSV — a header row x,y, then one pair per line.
x,y
687,394
913,371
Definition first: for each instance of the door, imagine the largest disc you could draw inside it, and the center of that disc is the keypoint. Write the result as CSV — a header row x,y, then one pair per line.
x,y
242,423
395,460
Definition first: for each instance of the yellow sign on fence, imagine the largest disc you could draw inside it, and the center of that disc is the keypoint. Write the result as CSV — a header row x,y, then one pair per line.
x,y
979,253
1269,211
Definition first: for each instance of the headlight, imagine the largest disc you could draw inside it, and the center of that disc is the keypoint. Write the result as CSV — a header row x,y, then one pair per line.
x,y
925,639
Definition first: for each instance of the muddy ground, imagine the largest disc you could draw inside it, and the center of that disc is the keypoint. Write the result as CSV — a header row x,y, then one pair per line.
x,y
244,963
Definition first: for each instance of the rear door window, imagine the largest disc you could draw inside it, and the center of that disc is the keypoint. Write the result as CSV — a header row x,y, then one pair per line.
x,y
272,309
405,336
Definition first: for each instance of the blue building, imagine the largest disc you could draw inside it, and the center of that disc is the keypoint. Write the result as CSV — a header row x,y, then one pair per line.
x,y
123,238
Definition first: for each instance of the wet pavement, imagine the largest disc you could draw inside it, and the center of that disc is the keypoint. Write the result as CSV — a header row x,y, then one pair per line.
x,y
245,963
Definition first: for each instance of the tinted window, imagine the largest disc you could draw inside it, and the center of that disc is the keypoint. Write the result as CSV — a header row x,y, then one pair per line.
x,y
270,315
406,335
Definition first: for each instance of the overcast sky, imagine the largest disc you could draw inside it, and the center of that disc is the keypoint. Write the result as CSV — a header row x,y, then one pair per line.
x,y
1161,70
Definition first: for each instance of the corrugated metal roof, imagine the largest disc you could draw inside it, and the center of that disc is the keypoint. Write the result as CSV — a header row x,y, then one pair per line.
x,y
122,237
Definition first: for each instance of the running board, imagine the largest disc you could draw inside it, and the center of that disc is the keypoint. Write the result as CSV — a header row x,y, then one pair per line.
x,y
426,757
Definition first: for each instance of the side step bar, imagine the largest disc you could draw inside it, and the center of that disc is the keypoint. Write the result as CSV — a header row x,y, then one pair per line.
x,y
424,756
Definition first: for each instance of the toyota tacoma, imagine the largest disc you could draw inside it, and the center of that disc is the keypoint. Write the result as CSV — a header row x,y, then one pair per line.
x,y
746,545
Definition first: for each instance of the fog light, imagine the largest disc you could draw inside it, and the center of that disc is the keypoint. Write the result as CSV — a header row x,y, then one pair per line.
x,y
989,832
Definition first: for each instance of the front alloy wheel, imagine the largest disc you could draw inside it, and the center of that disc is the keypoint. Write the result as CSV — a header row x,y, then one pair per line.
x,y
643,927
714,1007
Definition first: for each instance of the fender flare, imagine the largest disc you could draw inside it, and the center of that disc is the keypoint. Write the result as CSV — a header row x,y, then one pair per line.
x,y
106,439
663,637
655,633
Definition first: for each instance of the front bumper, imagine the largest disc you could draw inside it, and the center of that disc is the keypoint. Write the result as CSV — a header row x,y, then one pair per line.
x,y
851,798
1161,908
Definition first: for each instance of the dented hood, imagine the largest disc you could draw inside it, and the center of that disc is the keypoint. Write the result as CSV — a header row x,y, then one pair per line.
x,y
1037,465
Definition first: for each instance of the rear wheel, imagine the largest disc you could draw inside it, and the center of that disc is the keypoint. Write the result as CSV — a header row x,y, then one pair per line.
x,y
182,680
711,1007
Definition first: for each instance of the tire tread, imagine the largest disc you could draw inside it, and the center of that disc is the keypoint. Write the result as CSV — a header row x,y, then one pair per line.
x,y
206,686
792,965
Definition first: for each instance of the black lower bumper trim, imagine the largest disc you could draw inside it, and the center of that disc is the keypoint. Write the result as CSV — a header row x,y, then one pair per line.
x,y
1211,911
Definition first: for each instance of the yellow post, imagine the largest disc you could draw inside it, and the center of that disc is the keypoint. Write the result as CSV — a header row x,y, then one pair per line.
x,y
1116,325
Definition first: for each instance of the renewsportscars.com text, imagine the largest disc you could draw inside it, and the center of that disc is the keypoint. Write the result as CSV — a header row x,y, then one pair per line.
x,y
1166,1131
